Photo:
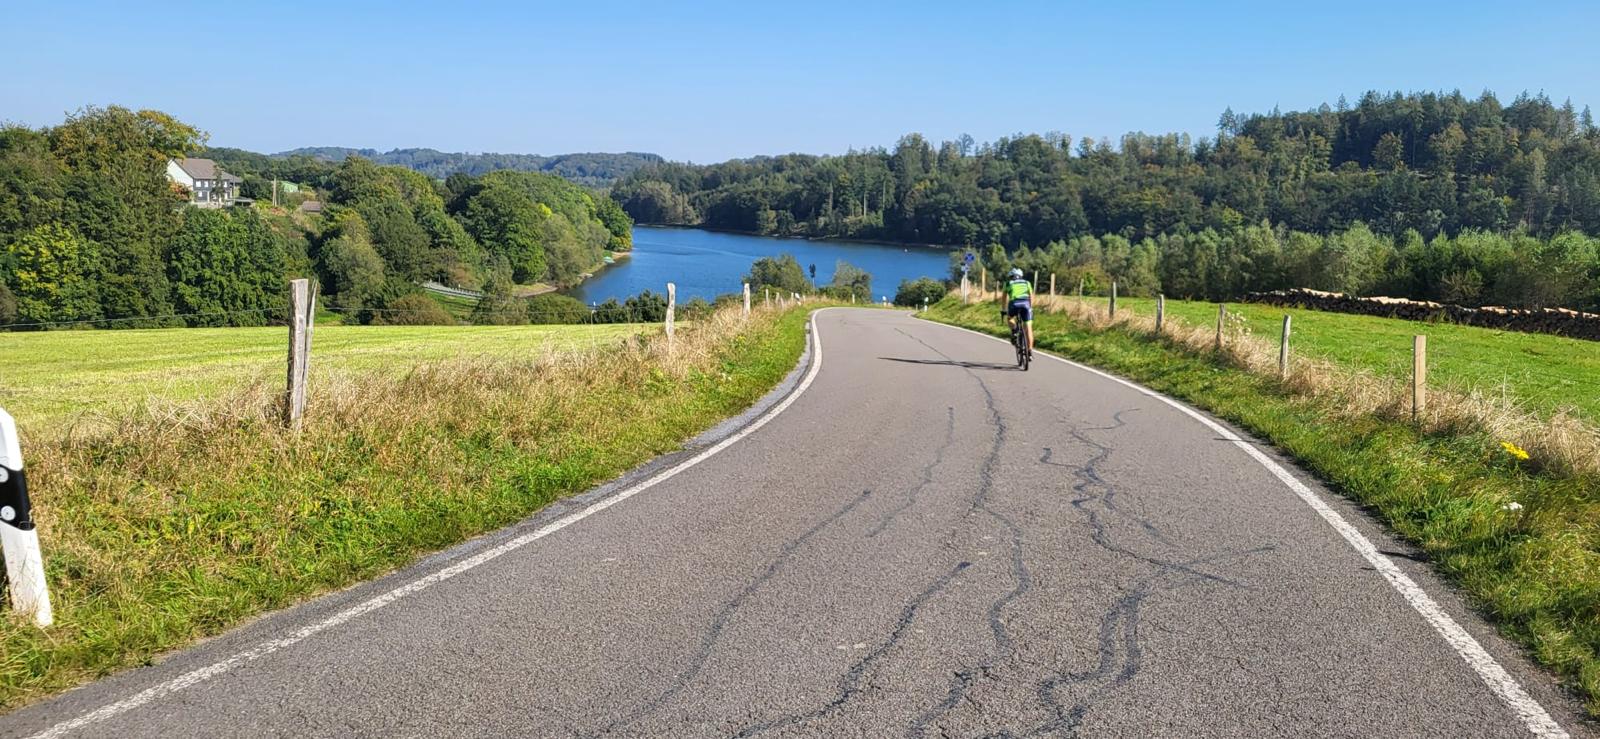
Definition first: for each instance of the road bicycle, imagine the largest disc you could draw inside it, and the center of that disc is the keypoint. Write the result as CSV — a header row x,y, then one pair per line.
x,y
1019,341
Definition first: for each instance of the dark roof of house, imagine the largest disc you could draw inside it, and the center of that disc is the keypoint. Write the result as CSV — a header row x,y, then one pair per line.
x,y
205,169
200,169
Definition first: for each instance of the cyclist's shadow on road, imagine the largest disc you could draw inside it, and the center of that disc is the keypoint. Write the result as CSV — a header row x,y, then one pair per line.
x,y
955,363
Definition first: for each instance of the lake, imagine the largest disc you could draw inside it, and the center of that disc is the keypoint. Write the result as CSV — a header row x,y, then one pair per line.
x,y
707,264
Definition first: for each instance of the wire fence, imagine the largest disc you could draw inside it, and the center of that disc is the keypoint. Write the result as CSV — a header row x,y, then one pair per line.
x,y
279,315
52,377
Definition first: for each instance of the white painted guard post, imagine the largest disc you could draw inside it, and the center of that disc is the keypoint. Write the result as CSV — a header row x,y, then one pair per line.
x,y
672,307
1283,350
24,563
302,309
746,300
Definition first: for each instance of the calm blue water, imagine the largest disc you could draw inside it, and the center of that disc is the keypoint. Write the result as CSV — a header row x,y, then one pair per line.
x,y
707,264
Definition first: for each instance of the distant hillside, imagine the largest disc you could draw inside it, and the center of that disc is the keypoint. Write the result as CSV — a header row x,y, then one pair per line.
x,y
593,169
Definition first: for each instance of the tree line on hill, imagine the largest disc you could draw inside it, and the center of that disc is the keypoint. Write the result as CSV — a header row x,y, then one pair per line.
x,y
93,231
1424,195
590,169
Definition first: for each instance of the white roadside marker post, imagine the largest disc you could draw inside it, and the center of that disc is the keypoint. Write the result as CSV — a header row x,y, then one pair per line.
x,y
1283,350
18,537
672,304
300,313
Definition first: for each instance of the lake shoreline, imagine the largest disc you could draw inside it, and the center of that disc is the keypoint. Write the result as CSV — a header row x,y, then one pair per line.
x,y
708,263
617,257
842,239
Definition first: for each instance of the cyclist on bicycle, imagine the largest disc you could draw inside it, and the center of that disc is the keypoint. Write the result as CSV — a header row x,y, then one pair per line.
x,y
1019,303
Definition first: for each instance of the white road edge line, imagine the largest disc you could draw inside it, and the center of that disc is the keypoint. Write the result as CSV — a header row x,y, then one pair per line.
x,y
1500,682
261,650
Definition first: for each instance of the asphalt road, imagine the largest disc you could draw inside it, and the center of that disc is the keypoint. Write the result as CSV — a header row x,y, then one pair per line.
x,y
923,542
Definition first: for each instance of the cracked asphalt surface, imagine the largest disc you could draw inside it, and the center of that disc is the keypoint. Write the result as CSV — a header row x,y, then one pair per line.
x,y
926,543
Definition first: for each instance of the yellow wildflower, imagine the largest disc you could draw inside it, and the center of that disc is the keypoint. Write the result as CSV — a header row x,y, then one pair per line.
x,y
1514,450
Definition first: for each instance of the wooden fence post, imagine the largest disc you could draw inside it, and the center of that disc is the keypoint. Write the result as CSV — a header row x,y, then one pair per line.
x,y
964,299
1052,284
299,351
1419,378
1161,311
1113,311
1035,284
1221,315
746,300
672,308
1080,286
19,540
1283,350
983,282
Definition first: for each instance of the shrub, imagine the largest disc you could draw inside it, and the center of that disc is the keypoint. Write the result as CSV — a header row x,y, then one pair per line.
x,y
912,293
556,308
499,310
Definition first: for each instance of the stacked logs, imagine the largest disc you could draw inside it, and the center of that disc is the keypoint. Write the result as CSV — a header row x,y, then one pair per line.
x,y
1558,321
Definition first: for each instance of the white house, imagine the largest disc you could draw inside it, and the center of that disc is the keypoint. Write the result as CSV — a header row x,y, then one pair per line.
x,y
207,184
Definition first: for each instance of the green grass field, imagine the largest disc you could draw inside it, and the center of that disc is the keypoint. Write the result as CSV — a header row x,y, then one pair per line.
x,y
1542,373
52,377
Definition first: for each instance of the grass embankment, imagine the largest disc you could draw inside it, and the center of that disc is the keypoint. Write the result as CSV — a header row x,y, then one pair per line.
x,y
53,377
172,526
458,307
1448,486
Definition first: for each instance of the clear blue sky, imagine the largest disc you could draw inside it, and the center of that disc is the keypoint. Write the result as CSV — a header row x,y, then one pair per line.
x,y
710,81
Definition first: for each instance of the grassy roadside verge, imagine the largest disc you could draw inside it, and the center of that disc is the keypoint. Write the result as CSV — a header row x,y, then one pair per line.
x,y
174,526
1533,570
1540,374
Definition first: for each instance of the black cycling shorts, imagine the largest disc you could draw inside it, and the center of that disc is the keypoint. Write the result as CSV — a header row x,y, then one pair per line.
x,y
1023,307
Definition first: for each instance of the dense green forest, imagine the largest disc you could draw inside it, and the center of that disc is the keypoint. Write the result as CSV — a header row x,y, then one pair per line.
x,y
92,230
1425,195
590,169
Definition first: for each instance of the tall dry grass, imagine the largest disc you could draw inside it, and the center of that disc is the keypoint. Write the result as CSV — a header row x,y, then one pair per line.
x,y
178,519
1560,444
